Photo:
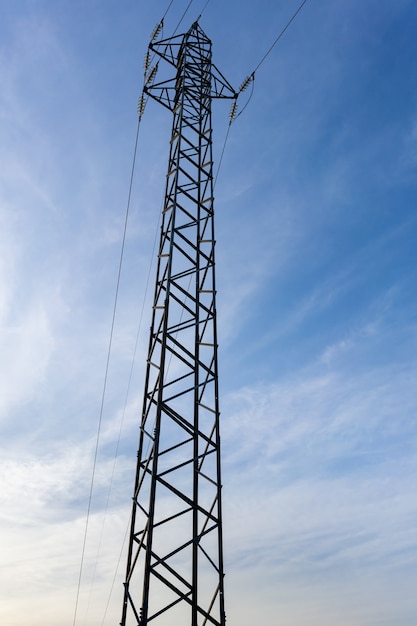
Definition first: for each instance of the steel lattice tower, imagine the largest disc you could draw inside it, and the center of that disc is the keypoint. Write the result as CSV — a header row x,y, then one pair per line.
x,y
174,570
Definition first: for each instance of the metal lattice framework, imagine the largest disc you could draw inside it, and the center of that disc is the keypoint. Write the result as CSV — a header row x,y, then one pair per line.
x,y
175,559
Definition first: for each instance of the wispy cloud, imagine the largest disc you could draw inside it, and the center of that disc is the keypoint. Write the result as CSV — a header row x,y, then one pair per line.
x,y
316,272
320,481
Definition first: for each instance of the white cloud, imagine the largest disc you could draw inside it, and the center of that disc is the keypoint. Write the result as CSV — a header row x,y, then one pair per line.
x,y
319,473
323,454
320,464
26,349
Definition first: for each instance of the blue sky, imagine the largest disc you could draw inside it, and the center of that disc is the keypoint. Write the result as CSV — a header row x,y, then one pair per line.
x,y
316,270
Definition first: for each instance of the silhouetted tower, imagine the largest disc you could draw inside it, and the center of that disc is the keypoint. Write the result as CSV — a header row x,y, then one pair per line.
x,y
174,573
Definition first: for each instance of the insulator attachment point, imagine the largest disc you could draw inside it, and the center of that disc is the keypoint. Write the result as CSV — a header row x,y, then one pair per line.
x,y
147,61
141,105
233,112
246,82
151,76
157,30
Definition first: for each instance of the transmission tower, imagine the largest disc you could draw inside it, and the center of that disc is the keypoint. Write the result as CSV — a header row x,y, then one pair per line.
x,y
174,572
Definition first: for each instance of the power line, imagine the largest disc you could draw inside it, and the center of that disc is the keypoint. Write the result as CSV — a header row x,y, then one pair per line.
x,y
203,9
182,17
106,373
287,25
140,111
169,6
125,406
222,154
251,77
141,108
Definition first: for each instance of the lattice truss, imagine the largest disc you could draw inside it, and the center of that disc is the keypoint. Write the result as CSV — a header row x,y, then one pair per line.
x,y
175,561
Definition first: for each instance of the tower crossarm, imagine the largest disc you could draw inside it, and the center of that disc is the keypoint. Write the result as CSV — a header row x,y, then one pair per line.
x,y
172,51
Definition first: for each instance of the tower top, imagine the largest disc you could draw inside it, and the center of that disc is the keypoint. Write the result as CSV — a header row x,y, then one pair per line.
x,y
189,51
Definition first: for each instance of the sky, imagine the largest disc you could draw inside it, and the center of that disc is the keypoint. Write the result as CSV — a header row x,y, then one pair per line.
x,y
316,245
